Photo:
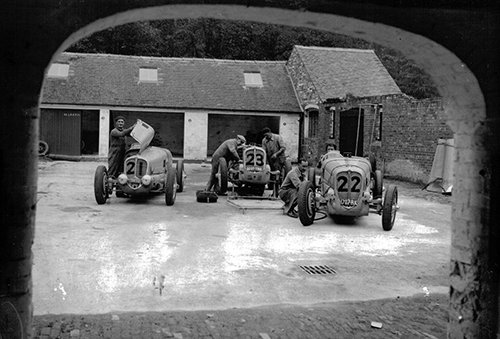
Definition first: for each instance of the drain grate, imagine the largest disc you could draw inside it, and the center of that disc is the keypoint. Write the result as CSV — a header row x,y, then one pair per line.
x,y
315,270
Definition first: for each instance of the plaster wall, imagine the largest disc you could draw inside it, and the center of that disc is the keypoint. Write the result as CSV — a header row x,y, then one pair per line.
x,y
104,121
196,135
289,131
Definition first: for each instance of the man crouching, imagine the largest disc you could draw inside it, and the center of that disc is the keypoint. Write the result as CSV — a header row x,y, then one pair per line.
x,y
290,188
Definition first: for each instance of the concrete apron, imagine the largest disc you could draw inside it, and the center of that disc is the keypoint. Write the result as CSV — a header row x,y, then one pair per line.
x,y
141,255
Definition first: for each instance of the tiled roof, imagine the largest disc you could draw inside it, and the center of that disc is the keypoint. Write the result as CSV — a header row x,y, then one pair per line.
x,y
103,79
337,72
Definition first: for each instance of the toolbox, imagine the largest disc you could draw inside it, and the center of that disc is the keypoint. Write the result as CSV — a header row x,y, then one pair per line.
x,y
206,196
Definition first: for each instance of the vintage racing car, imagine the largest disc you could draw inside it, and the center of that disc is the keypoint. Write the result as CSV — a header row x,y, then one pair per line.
x,y
148,169
348,187
252,173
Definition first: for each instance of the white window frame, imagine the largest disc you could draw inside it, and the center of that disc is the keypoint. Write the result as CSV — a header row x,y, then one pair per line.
x,y
148,74
58,70
253,79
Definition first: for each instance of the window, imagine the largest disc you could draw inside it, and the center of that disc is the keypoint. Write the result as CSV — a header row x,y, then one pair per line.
x,y
58,70
313,124
148,75
253,79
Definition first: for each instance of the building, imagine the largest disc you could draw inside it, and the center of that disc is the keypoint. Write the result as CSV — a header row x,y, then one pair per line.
x,y
193,104
318,94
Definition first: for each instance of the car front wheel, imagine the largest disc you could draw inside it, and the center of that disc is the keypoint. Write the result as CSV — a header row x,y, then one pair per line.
x,y
101,184
306,203
170,187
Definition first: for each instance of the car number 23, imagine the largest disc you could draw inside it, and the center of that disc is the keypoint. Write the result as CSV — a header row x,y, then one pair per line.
x,y
257,157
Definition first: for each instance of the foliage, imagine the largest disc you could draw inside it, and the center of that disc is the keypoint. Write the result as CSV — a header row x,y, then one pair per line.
x,y
242,40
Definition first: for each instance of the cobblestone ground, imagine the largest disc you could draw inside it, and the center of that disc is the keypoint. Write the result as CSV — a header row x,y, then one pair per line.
x,y
423,316
414,317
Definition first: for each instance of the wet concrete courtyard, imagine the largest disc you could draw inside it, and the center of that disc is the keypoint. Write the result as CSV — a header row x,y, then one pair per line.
x,y
141,255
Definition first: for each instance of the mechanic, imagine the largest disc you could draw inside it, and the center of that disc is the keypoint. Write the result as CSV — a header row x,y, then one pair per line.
x,y
227,150
275,148
290,188
117,144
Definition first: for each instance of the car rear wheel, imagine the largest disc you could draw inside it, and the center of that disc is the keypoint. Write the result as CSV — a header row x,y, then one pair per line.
x,y
180,175
390,207
306,203
379,184
101,184
170,187
222,176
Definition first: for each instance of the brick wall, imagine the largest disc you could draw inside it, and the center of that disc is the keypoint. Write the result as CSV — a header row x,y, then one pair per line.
x,y
410,131
404,143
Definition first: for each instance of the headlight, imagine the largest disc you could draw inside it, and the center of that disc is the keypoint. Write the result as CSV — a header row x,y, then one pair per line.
x,y
146,180
122,179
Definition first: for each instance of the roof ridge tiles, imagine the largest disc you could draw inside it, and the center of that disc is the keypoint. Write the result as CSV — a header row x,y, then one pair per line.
x,y
338,49
96,55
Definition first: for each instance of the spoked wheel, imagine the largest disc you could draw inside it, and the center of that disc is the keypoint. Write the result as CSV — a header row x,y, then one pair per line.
x,y
306,203
222,176
170,187
378,181
43,148
101,184
180,175
390,207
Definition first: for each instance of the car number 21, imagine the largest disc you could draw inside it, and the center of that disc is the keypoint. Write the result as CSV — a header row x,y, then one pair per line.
x,y
344,183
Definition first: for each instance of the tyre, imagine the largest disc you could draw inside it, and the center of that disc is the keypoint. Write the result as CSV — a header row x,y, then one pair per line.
x,y
390,207
170,187
43,148
222,176
179,171
101,184
306,203
311,176
378,185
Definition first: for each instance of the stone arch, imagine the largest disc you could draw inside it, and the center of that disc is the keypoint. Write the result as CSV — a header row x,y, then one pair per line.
x,y
462,97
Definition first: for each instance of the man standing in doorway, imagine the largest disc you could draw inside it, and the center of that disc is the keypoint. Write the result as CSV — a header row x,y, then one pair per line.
x,y
117,144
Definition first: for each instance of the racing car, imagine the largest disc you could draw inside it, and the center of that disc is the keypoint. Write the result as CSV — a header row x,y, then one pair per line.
x,y
348,187
252,173
147,169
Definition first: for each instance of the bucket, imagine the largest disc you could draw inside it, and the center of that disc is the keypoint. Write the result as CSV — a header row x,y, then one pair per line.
x,y
143,134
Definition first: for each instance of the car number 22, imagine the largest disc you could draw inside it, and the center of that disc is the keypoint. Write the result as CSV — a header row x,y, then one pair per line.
x,y
344,183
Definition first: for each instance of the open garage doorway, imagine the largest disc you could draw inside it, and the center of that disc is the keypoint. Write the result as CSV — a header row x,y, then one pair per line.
x,y
226,126
352,131
169,128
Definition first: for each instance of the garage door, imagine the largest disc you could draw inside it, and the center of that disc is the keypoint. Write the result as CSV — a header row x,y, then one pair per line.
x,y
169,128
226,126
